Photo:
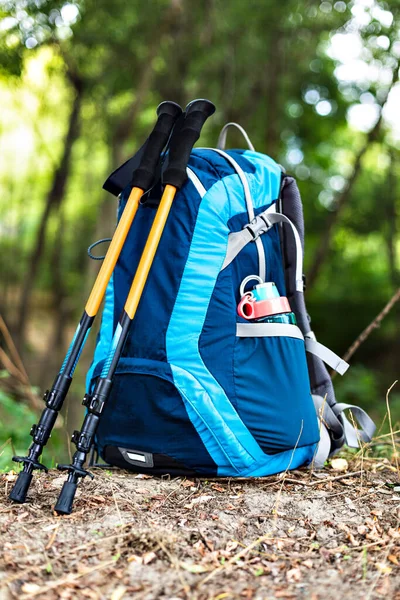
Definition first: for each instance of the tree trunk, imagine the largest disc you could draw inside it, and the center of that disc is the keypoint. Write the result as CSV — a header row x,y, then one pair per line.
x,y
55,352
391,222
125,127
322,251
273,76
53,202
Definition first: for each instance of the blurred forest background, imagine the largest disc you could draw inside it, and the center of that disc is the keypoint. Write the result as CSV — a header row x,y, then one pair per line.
x,y
314,83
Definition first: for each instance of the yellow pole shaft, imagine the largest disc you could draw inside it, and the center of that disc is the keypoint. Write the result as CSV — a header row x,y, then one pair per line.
x,y
113,252
149,251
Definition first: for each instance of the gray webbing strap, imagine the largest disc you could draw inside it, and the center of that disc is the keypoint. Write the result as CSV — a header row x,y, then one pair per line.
x,y
353,436
285,330
268,330
330,358
259,225
328,417
332,435
280,218
249,206
332,419
323,449
262,265
238,240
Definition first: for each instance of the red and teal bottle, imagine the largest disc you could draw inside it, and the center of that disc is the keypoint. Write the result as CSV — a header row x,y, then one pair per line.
x,y
263,304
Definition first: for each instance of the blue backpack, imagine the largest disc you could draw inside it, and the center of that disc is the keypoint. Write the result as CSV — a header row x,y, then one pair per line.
x,y
200,390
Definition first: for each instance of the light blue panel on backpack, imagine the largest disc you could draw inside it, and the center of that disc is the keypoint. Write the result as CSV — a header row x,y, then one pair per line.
x,y
224,434
201,270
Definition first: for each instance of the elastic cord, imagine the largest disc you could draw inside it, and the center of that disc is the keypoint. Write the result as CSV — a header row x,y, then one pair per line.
x,y
89,250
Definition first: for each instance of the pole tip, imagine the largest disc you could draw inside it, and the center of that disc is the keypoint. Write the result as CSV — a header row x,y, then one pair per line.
x,y
66,498
21,487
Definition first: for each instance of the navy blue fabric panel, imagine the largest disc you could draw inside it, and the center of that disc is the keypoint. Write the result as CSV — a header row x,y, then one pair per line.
x,y
220,164
147,339
244,163
146,412
202,164
273,392
211,163
216,344
274,262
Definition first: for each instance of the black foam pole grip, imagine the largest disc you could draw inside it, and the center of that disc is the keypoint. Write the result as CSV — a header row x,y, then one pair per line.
x,y
183,140
167,112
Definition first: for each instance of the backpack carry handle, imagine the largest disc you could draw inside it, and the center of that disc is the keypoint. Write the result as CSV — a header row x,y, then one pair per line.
x,y
183,140
168,113
221,144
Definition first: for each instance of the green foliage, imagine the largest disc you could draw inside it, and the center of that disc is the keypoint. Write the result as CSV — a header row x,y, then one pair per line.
x,y
279,69
16,419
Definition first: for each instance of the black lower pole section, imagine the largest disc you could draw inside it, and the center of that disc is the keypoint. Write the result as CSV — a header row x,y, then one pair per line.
x,y
83,440
66,498
54,399
21,487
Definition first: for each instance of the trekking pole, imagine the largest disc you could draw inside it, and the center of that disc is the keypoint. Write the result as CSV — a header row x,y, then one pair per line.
x,y
142,179
173,178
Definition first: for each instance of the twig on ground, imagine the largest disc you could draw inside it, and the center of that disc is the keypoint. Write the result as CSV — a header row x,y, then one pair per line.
x,y
321,481
116,503
361,445
378,437
52,537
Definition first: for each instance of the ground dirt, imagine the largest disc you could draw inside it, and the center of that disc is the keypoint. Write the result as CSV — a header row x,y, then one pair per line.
x,y
317,536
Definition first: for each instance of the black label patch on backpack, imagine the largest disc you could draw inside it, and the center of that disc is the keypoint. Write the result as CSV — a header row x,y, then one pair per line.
x,y
137,458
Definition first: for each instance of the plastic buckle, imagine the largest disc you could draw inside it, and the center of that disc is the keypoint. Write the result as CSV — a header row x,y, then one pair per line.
x,y
256,233
253,232
266,221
